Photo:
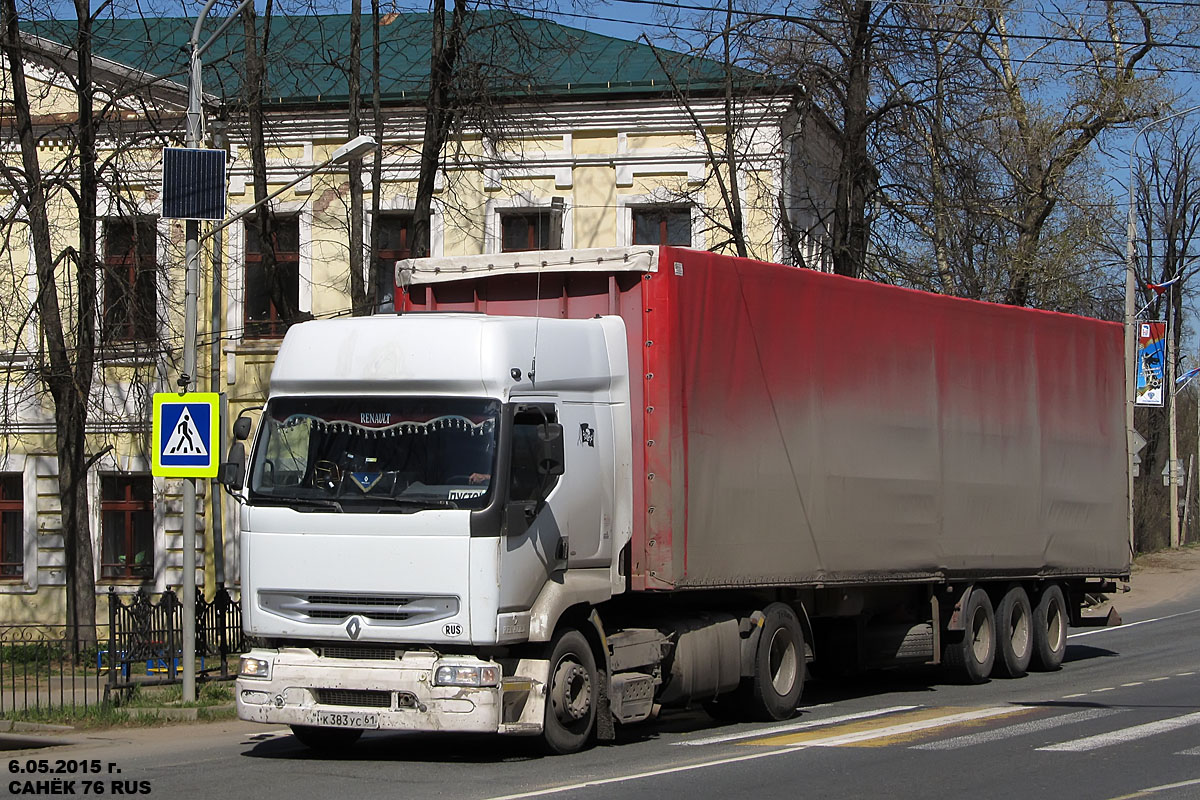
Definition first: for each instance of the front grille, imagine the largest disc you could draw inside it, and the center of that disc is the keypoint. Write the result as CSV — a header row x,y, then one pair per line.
x,y
355,698
358,653
380,609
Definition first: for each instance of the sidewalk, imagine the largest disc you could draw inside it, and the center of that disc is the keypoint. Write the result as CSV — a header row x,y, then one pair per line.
x,y
1163,577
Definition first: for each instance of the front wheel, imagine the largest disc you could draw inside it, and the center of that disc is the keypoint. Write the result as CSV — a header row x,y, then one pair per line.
x,y
326,739
570,717
778,678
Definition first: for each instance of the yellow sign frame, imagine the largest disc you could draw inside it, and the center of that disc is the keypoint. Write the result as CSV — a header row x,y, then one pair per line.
x,y
171,431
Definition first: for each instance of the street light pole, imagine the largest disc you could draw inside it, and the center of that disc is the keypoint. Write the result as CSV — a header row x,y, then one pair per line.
x,y
1131,333
191,292
355,148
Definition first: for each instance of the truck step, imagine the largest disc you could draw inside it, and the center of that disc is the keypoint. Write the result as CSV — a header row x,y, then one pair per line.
x,y
632,696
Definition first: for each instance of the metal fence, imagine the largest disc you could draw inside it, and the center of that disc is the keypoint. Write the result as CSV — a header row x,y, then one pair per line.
x,y
58,666
145,642
49,666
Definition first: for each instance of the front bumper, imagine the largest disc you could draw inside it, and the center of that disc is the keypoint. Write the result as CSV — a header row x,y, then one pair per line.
x,y
304,688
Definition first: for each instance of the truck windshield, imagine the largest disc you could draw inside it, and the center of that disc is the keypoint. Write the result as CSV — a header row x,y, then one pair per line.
x,y
373,454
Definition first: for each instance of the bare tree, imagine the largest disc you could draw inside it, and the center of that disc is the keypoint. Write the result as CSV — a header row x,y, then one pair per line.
x,y
71,333
1167,197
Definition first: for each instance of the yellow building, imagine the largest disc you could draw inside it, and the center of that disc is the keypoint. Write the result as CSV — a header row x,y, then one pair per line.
x,y
600,143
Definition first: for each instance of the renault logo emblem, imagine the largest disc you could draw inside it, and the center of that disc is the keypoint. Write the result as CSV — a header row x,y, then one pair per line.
x,y
354,628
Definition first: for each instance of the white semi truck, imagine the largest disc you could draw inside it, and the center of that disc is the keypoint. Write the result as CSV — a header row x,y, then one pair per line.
x,y
558,491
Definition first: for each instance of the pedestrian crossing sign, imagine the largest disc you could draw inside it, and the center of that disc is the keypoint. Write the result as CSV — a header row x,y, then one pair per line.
x,y
186,436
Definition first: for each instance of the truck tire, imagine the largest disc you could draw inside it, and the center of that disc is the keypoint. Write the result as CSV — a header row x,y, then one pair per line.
x,y
778,679
326,739
1049,629
1014,633
972,656
571,697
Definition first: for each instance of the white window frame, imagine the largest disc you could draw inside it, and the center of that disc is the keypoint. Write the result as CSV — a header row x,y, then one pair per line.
x,y
129,464
235,274
27,466
107,208
659,197
492,242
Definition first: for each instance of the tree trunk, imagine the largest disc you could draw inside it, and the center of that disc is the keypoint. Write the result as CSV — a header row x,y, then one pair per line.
x,y
265,222
360,295
850,227
439,116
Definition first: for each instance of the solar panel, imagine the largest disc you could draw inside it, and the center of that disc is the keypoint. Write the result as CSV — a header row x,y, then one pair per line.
x,y
193,183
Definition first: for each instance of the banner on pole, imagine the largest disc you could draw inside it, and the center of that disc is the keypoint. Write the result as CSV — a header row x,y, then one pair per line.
x,y
1151,363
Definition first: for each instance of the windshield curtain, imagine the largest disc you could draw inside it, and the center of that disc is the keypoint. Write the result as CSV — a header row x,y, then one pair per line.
x,y
376,453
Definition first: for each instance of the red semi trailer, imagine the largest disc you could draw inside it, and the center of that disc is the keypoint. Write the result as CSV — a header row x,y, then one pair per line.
x,y
707,473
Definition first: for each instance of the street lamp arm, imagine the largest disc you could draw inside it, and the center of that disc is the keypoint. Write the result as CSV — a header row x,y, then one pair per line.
x,y
198,48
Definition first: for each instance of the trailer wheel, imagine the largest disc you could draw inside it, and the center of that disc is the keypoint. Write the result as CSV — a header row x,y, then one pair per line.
x,y
778,678
1049,629
1014,633
570,718
973,655
326,739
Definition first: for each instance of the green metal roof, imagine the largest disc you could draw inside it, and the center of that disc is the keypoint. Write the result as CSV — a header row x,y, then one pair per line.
x,y
513,55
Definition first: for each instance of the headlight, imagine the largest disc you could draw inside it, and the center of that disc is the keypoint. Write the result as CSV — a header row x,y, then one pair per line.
x,y
453,675
250,667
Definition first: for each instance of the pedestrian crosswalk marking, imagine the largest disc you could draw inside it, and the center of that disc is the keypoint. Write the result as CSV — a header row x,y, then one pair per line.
x,y
1088,743
796,726
1020,729
903,727
185,439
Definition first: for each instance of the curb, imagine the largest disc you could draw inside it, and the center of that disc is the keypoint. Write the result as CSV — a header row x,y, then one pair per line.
x,y
7,725
171,714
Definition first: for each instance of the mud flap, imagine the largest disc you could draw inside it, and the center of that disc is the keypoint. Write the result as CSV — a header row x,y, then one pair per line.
x,y
606,726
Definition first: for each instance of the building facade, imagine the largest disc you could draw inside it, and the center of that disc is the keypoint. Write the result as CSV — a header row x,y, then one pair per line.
x,y
609,152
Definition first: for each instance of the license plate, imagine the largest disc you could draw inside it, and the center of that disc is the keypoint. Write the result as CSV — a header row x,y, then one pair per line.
x,y
342,719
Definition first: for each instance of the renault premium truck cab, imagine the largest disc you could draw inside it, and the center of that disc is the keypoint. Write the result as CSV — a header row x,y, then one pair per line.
x,y
558,491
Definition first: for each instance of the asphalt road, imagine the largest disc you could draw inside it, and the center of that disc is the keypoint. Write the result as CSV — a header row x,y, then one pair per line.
x,y
1121,719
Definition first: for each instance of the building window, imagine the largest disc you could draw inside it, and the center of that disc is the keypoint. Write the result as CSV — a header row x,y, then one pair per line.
x,y
262,319
527,229
395,243
130,271
127,527
12,526
670,225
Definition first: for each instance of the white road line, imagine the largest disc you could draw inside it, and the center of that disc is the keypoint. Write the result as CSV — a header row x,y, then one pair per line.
x,y
1125,735
797,726
1195,751
716,762
1134,683
911,727
1125,625
1020,729
1072,696
1166,787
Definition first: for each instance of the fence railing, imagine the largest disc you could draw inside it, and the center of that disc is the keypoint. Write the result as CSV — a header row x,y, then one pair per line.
x,y
146,638
48,667
58,666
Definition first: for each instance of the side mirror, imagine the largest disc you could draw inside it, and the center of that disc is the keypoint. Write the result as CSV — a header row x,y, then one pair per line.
x,y
551,453
241,429
233,469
